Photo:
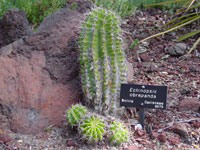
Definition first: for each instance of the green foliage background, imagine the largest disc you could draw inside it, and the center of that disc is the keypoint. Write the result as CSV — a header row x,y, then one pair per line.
x,y
127,7
35,10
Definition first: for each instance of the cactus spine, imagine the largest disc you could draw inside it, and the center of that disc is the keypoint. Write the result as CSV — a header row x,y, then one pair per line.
x,y
75,113
92,128
102,60
119,133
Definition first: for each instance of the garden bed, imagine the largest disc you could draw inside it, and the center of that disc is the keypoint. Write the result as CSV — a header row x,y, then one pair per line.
x,y
177,127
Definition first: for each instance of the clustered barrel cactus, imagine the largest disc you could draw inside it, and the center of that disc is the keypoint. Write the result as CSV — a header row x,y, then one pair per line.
x,y
103,66
119,133
93,129
75,113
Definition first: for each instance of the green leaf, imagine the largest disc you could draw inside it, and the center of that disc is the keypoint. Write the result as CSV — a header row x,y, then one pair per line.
x,y
185,36
172,29
134,43
184,21
195,45
181,17
192,7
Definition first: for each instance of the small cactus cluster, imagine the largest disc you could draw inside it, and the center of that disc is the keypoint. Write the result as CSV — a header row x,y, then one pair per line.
x,y
102,61
75,113
119,133
93,128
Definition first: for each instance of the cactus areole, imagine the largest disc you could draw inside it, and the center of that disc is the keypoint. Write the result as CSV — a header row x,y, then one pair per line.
x,y
102,60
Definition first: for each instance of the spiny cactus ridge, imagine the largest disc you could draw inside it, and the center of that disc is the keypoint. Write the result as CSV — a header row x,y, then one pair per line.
x,y
92,128
103,66
75,113
119,133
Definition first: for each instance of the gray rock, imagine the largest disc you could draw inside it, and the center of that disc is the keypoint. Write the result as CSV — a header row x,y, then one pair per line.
x,y
13,26
178,49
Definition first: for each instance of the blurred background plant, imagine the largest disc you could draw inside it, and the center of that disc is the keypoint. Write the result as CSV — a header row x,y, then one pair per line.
x,y
187,11
126,8
35,10
170,5
122,7
187,15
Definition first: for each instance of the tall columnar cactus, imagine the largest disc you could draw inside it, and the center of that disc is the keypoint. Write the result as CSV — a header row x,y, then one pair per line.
x,y
119,133
92,128
75,113
103,66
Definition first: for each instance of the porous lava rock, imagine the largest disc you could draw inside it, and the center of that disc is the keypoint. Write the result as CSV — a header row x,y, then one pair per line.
x,y
82,6
189,104
39,74
13,25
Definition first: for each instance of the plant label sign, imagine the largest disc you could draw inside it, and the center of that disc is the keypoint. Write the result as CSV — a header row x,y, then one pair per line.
x,y
143,96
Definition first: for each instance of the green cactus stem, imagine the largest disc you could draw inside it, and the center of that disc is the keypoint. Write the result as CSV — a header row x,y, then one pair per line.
x,y
75,114
92,129
103,66
119,133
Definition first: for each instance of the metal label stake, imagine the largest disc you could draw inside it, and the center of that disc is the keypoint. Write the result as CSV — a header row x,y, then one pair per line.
x,y
141,116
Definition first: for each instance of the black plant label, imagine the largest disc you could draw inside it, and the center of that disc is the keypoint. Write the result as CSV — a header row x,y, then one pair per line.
x,y
145,96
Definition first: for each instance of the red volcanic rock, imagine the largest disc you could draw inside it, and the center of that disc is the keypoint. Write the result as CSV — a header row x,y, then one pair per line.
x,y
5,138
196,124
162,137
140,133
70,143
154,135
145,57
39,74
180,128
133,147
188,104
13,25
173,140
